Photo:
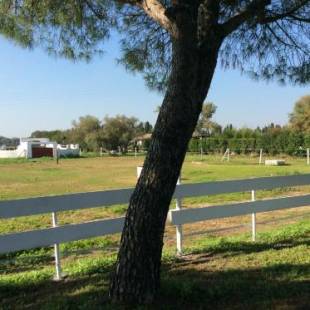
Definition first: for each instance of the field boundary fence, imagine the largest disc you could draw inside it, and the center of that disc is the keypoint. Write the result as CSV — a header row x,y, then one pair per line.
x,y
179,216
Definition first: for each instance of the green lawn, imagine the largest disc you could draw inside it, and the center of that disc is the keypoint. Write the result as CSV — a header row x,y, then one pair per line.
x,y
27,178
215,273
216,270
22,178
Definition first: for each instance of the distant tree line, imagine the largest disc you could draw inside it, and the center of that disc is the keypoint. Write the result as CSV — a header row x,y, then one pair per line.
x,y
112,133
7,142
291,139
272,139
121,132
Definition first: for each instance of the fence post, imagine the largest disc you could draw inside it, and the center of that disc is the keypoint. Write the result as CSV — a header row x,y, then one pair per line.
x,y
58,275
178,206
261,156
253,219
179,234
308,156
226,155
139,170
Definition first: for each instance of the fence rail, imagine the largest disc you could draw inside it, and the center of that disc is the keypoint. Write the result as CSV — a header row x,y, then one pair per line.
x,y
59,234
54,235
179,217
40,205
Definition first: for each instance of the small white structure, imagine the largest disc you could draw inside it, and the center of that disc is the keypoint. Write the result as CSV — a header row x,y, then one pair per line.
x,y
141,139
39,147
275,162
68,150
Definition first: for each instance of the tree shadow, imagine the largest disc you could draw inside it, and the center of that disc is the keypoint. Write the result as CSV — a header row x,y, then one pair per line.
x,y
186,284
21,264
261,288
230,249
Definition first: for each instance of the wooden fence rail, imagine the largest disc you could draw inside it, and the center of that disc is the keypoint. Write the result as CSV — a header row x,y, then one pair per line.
x,y
65,233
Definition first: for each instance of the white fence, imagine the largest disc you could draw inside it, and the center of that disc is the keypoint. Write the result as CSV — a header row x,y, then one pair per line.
x,y
65,233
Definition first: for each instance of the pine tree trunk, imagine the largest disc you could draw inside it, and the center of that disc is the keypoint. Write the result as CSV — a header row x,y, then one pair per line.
x,y
137,275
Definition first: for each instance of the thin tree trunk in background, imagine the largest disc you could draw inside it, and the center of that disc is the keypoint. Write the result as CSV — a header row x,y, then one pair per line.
x,y
137,274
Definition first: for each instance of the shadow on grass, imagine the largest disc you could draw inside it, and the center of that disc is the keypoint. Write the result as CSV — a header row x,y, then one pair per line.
x,y
186,283
230,249
261,288
26,263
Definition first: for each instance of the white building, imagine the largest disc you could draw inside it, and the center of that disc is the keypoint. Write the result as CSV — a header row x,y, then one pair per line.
x,y
39,147
68,150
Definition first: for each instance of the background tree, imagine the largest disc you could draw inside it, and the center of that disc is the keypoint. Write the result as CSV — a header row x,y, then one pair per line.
x,y
118,131
204,125
8,142
60,136
143,128
300,117
176,44
86,132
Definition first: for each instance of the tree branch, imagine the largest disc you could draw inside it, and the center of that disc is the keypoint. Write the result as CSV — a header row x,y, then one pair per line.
x,y
299,18
96,11
289,13
253,9
257,8
155,10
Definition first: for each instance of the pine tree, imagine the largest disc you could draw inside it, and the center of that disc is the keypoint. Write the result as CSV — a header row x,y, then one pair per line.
x,y
176,44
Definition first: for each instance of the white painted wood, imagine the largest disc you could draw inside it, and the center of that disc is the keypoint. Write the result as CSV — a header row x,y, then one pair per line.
x,y
253,219
245,185
56,235
274,162
261,156
39,205
308,156
58,275
33,206
47,237
201,214
139,170
226,155
179,230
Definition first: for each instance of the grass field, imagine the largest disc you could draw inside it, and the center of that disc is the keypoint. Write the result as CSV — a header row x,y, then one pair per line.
x,y
21,178
215,273
278,264
26,178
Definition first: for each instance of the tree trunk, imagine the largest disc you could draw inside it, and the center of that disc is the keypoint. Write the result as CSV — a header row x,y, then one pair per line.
x,y
137,275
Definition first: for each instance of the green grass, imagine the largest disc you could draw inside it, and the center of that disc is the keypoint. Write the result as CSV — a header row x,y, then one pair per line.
x,y
215,273
21,178
26,178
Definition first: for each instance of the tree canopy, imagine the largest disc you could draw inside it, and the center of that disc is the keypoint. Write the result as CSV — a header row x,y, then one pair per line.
x,y
204,125
177,45
266,38
118,132
300,117
92,134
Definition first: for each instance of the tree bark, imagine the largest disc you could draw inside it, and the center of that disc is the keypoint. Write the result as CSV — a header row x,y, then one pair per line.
x,y
137,274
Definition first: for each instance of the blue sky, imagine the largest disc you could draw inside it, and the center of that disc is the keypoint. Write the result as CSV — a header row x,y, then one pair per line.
x,y
38,92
